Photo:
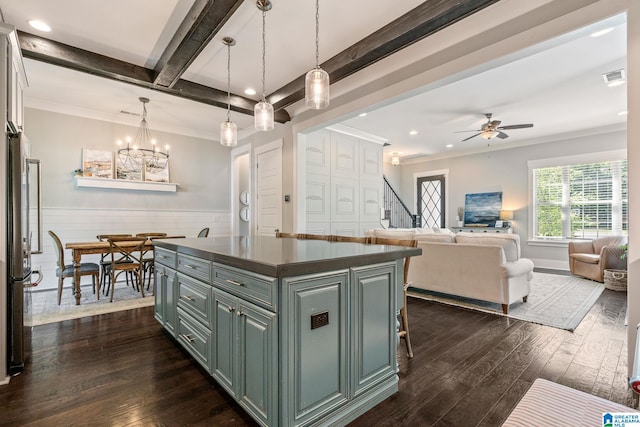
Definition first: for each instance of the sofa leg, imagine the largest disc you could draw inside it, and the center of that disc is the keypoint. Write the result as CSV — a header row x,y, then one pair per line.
x,y
505,308
525,298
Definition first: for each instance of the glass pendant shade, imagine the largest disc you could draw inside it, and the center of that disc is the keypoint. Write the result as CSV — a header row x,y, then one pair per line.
x,y
316,89
489,134
263,116
228,134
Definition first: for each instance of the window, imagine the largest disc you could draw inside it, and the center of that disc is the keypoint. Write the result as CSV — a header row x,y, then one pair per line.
x,y
580,201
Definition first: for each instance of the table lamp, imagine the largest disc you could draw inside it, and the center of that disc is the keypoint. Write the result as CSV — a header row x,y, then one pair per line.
x,y
506,217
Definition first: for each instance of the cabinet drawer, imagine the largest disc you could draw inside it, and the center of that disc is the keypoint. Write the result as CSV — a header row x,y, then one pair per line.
x,y
165,257
194,297
252,287
195,338
194,267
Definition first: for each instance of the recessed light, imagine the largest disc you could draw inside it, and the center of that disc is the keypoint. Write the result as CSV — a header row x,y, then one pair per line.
x,y
362,114
601,32
623,113
40,25
413,132
449,145
249,91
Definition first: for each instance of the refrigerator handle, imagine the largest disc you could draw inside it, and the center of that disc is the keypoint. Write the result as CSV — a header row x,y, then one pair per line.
x,y
38,199
37,282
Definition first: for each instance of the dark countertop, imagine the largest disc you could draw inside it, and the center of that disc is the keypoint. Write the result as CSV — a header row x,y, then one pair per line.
x,y
285,257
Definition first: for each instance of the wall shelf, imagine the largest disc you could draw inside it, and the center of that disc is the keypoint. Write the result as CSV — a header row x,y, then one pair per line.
x,y
121,184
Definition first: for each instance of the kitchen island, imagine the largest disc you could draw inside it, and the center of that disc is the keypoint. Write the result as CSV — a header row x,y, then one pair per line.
x,y
299,332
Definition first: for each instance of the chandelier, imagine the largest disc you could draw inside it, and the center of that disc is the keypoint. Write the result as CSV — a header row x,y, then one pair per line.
x,y
143,149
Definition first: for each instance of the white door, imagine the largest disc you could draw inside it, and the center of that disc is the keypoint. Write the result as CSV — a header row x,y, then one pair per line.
x,y
269,189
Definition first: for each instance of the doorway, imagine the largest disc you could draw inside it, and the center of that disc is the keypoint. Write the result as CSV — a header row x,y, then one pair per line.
x,y
431,200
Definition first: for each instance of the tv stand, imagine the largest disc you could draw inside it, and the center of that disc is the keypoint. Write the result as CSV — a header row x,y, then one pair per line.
x,y
507,230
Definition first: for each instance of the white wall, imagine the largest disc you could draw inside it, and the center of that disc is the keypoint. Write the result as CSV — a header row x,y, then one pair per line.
x,y
506,171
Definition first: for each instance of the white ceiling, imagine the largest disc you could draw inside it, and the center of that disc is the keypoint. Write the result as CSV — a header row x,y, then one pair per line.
x,y
557,86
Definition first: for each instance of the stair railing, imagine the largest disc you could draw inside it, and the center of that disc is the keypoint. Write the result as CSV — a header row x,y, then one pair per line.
x,y
396,211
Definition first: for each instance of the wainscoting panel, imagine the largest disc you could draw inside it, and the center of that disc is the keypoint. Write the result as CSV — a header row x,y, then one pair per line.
x,y
85,224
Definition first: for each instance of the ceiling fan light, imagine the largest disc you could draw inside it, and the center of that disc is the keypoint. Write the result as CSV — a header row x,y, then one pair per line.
x,y
263,116
489,134
316,89
228,134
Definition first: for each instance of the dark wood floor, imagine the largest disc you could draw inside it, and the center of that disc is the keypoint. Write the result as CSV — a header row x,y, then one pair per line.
x,y
469,369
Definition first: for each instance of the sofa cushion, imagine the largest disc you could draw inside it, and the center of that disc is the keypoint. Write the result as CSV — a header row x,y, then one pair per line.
x,y
510,242
435,237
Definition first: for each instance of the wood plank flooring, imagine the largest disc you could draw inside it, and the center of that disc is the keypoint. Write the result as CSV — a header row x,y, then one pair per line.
x,y
469,369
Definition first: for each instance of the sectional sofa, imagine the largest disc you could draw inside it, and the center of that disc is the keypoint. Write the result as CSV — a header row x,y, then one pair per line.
x,y
483,266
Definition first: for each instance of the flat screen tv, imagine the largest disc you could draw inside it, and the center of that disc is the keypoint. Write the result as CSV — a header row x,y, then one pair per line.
x,y
482,209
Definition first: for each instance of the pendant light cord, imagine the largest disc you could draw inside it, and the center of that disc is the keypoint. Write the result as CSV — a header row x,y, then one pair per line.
x,y
317,34
229,82
264,50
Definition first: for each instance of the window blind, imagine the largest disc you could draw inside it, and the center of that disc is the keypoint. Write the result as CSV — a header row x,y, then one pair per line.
x,y
581,201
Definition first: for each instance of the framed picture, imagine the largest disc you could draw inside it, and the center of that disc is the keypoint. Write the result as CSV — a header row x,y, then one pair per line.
x,y
157,172
482,209
499,224
128,167
97,163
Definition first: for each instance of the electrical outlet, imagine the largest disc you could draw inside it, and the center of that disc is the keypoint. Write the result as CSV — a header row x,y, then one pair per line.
x,y
319,320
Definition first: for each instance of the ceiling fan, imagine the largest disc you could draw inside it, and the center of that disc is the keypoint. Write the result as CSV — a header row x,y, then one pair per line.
x,y
492,129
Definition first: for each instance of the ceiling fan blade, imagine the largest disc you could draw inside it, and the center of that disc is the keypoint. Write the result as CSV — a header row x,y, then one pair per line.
x,y
472,136
502,135
528,125
461,131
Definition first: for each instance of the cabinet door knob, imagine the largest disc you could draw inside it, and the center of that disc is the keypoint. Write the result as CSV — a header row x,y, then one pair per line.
x,y
231,309
239,313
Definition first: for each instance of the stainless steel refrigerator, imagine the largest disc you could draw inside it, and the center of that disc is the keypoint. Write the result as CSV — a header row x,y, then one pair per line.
x,y
23,218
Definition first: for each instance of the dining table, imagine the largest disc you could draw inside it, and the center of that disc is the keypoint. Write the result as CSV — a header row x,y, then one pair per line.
x,y
78,249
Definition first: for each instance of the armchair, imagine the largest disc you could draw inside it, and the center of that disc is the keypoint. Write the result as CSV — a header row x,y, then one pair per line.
x,y
590,258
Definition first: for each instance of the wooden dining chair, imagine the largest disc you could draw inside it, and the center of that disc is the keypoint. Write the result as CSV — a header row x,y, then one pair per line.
x,y
352,239
63,271
306,236
204,232
148,260
105,261
285,235
126,255
404,320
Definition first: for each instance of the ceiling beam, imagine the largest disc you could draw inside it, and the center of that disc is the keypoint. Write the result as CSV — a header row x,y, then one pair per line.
x,y
55,53
202,23
428,18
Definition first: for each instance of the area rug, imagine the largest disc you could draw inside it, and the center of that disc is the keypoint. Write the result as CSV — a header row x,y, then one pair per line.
x,y
43,306
556,300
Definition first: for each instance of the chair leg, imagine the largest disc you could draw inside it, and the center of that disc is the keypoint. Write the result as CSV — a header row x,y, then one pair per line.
x,y
112,279
140,281
96,277
60,280
404,325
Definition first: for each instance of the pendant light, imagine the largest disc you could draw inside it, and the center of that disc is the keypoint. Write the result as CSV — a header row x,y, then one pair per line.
x,y
228,129
316,86
263,111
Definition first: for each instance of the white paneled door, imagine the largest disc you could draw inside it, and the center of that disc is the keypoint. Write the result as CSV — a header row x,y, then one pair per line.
x,y
269,188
